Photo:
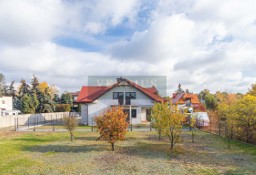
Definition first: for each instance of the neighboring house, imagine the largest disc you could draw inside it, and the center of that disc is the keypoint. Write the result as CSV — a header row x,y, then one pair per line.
x,y
136,100
185,99
74,95
6,106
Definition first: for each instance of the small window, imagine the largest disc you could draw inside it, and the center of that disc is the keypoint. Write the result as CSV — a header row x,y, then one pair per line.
x,y
115,95
3,102
188,102
134,113
133,95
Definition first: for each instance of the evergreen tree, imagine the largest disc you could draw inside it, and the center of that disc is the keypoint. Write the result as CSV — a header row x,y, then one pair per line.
x,y
45,102
34,85
66,98
23,89
56,99
27,104
10,90
2,84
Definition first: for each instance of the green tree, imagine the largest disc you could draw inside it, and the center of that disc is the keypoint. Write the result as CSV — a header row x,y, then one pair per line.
x,y
112,125
156,114
245,109
70,123
2,84
56,99
252,91
203,93
66,98
24,88
210,102
192,124
170,121
27,104
45,102
34,85
10,90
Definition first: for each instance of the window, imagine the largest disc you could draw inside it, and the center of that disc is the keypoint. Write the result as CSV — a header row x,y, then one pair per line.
x,y
119,96
129,96
115,95
3,102
134,113
188,102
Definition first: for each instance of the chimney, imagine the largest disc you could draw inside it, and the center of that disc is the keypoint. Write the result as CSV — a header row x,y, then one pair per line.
x,y
119,80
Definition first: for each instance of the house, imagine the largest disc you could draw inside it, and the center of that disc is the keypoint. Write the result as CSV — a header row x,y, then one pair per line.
x,y
74,95
186,99
135,99
6,106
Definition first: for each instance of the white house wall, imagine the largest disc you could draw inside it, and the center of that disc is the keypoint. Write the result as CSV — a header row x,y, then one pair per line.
x,y
106,100
6,103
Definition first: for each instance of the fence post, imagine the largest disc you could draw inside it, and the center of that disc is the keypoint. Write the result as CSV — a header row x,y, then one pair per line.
x,y
17,123
36,120
210,126
52,124
92,124
15,127
28,122
34,123
203,124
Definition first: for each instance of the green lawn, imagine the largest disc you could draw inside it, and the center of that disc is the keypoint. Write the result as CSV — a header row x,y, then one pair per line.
x,y
141,153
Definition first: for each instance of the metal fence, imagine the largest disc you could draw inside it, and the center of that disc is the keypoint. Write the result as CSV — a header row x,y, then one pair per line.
x,y
40,122
239,132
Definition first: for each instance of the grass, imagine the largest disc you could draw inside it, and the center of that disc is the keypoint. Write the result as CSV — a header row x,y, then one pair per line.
x,y
141,153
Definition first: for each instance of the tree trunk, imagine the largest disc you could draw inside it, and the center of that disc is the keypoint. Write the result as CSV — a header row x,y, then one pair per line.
x,y
247,133
172,142
193,135
71,136
113,147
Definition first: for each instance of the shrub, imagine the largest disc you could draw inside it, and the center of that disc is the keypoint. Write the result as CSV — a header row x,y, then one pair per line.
x,y
112,125
62,107
70,123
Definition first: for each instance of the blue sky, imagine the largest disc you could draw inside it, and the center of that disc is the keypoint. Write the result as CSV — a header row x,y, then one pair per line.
x,y
200,44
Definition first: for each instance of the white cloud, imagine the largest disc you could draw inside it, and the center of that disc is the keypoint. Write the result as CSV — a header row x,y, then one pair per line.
x,y
25,22
201,44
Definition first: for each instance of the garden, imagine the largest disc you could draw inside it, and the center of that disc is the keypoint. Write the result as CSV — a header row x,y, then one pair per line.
x,y
140,153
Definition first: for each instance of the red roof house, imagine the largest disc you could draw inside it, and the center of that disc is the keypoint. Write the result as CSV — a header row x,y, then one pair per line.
x,y
135,99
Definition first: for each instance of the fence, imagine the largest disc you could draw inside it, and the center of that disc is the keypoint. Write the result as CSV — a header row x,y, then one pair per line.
x,y
244,133
19,122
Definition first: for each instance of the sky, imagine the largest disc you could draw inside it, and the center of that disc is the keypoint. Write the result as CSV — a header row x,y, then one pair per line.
x,y
202,44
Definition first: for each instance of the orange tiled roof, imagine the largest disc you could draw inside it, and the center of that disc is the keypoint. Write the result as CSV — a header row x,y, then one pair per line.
x,y
180,98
